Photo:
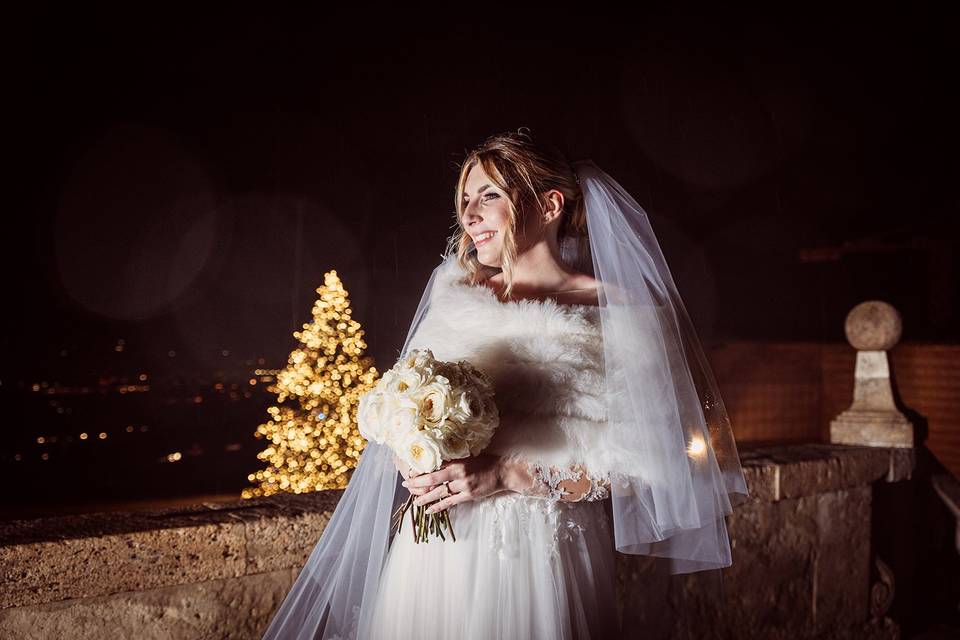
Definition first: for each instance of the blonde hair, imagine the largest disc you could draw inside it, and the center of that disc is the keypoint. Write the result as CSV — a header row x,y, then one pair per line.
x,y
525,171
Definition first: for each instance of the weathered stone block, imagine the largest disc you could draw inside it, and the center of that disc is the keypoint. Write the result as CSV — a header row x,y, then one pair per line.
x,y
285,540
227,608
91,566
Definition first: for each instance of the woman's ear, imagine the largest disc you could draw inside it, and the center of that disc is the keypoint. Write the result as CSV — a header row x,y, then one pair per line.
x,y
554,205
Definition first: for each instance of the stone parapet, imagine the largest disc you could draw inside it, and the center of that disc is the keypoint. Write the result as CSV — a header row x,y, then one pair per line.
x,y
801,567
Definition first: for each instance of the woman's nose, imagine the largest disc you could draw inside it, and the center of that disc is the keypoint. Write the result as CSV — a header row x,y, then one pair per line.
x,y
470,215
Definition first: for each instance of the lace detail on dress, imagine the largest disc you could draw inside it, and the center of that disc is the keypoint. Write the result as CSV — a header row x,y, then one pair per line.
x,y
546,483
511,517
515,515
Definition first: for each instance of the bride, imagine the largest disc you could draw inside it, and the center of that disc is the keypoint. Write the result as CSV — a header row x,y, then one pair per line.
x,y
612,435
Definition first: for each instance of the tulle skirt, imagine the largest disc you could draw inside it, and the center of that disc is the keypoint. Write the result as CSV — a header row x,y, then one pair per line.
x,y
521,567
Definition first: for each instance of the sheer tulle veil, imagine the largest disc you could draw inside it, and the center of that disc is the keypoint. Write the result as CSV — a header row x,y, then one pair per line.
x,y
664,408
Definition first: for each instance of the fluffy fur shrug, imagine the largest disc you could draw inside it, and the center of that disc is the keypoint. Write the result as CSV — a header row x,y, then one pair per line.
x,y
546,363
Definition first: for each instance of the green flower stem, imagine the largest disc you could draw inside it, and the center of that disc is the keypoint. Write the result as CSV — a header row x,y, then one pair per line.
x,y
413,523
423,524
400,512
446,517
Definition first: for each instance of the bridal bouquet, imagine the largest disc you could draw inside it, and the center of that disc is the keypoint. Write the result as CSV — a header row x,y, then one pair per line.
x,y
429,411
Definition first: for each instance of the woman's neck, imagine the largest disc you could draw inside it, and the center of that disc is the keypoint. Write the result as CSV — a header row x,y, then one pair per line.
x,y
569,291
537,271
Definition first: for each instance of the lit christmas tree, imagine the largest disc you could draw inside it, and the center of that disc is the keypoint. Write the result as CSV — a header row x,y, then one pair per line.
x,y
313,435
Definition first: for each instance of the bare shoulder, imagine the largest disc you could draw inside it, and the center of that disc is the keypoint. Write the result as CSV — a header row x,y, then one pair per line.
x,y
584,281
583,289
495,279
589,289
494,282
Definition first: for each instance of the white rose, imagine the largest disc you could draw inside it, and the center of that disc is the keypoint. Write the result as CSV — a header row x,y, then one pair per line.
x,y
411,380
402,418
468,405
372,415
389,382
478,440
419,451
454,446
418,359
434,401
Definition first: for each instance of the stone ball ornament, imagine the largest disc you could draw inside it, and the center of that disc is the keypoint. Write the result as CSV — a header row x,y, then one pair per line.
x,y
873,325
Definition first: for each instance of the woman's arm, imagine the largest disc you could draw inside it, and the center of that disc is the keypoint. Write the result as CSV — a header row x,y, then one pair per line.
x,y
569,484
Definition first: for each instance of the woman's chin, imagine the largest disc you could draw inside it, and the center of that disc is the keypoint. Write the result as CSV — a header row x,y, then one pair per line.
x,y
487,261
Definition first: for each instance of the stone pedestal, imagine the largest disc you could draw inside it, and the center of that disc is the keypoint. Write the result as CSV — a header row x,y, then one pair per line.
x,y
873,419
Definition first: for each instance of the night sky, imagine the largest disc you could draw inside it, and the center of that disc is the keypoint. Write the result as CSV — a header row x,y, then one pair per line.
x,y
184,179
190,177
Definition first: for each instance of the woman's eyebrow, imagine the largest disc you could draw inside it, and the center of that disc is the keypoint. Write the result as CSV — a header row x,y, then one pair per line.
x,y
481,189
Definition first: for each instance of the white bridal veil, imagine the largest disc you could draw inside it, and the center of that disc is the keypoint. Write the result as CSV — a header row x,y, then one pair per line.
x,y
663,405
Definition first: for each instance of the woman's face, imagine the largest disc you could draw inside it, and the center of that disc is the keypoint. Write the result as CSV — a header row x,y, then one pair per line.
x,y
486,211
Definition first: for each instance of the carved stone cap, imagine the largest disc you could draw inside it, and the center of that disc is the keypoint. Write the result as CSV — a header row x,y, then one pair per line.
x,y
873,325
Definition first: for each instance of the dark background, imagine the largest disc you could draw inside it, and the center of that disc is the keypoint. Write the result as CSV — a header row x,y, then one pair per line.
x,y
184,179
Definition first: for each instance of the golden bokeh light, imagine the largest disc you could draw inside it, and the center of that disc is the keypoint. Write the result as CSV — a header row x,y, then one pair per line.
x,y
313,442
697,446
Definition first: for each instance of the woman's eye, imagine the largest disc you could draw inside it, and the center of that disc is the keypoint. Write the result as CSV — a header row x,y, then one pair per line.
x,y
489,195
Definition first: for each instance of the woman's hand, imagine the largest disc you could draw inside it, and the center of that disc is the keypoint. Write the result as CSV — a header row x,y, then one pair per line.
x,y
470,479
408,473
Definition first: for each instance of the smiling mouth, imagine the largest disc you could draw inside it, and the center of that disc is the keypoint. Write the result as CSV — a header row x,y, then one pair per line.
x,y
486,239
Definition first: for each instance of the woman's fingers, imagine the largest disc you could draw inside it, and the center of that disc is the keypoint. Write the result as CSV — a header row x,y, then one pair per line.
x,y
449,501
427,479
429,495
430,485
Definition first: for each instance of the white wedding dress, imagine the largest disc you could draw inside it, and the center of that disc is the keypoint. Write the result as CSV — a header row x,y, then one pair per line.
x,y
522,566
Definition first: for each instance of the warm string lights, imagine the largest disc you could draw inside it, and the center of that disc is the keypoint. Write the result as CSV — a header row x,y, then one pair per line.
x,y
313,438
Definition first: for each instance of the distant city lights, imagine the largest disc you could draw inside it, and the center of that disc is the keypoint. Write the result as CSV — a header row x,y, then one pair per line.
x,y
241,379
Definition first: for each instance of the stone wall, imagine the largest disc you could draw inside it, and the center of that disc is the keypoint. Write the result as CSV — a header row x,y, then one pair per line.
x,y
802,562
790,391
